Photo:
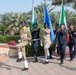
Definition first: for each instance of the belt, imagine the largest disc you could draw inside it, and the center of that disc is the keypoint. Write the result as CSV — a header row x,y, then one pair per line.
x,y
35,39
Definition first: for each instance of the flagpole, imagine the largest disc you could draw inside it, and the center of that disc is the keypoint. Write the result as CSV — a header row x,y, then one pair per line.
x,y
32,4
44,1
62,1
32,10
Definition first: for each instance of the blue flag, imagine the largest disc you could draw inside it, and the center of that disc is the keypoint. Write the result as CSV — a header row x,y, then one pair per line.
x,y
47,19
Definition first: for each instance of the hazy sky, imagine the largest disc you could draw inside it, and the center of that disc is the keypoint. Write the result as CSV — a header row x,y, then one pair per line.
x,y
17,5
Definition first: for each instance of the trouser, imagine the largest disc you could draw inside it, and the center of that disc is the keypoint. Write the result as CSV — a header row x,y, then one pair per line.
x,y
62,51
35,47
21,49
75,47
71,50
46,49
58,51
22,52
50,51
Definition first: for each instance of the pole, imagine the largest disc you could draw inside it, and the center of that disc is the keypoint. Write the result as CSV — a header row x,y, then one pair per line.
x,y
62,1
32,10
44,1
32,4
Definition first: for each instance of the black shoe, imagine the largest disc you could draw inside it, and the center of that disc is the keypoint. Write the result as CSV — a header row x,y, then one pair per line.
x,y
61,63
58,59
24,69
36,60
46,62
71,59
18,60
51,57
48,57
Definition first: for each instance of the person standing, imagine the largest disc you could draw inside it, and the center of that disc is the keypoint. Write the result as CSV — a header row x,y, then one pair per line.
x,y
72,43
57,28
46,41
35,40
24,37
62,42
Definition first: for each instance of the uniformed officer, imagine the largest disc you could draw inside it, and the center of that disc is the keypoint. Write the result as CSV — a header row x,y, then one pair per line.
x,y
56,39
35,40
72,43
62,42
24,37
46,41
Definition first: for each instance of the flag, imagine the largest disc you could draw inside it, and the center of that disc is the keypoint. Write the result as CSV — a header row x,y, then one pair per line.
x,y
47,19
63,21
33,19
63,17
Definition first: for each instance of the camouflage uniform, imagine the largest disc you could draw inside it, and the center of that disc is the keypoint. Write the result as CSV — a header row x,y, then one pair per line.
x,y
24,36
46,42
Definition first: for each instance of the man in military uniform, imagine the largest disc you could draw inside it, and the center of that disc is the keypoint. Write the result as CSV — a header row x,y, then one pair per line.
x,y
72,43
62,42
35,40
24,37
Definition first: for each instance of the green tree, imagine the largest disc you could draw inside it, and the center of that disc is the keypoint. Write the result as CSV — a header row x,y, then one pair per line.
x,y
3,29
12,20
71,3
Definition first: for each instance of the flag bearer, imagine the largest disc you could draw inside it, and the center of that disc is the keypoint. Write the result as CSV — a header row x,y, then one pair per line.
x,y
35,40
62,42
46,41
24,37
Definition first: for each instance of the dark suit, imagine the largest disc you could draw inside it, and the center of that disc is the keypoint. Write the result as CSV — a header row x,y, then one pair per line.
x,y
35,39
57,42
72,43
62,43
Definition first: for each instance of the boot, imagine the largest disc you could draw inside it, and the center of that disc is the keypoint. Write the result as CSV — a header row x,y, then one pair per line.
x,y
36,60
19,57
61,62
46,62
18,60
24,69
25,65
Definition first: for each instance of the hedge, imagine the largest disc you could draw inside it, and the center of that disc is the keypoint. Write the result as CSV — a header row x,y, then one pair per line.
x,y
5,39
29,49
14,37
2,39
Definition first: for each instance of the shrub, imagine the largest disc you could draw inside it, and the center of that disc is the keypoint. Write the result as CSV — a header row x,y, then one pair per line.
x,y
2,39
14,37
30,51
5,39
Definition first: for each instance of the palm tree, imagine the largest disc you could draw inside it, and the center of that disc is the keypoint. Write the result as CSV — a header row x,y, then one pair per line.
x,y
71,3
12,20
39,10
58,2
54,18
70,17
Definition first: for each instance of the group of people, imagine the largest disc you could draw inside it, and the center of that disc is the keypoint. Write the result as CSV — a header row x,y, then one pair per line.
x,y
61,42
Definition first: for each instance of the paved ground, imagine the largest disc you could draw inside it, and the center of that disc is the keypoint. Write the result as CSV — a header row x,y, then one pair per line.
x,y
9,66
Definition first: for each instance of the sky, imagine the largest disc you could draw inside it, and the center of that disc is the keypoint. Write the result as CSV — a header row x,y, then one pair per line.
x,y
17,5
